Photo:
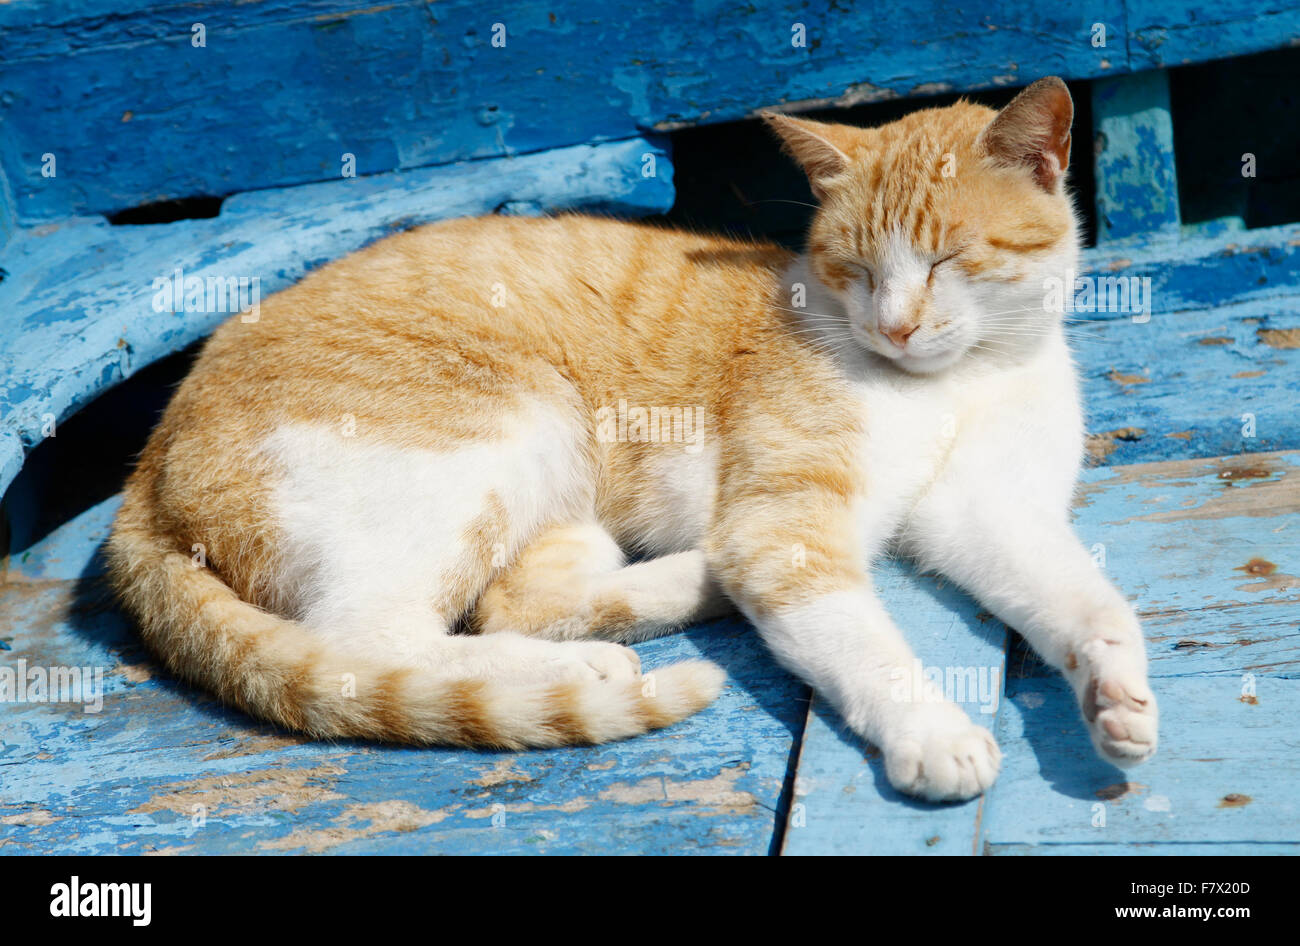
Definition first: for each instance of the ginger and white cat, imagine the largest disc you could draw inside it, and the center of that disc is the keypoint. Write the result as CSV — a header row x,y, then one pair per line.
x,y
430,437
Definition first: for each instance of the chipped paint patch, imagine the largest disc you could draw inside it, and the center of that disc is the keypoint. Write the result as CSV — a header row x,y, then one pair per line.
x,y
355,823
527,807
1279,337
1119,378
1269,578
1234,800
246,745
718,793
504,771
1121,790
269,790
36,818
136,673
1257,566
1263,485
1100,446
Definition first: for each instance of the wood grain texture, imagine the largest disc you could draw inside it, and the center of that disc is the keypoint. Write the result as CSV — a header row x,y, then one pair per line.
x,y
282,90
1198,383
1224,775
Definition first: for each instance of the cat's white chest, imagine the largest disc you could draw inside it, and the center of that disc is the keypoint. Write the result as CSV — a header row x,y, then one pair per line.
x,y
962,430
907,434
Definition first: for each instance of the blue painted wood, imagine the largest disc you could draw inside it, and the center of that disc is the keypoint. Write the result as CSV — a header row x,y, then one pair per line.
x,y
1205,382
1195,273
1209,552
79,298
1175,32
1137,183
282,90
1223,774
127,779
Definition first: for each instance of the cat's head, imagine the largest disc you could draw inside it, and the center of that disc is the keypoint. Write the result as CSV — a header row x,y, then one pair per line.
x,y
936,232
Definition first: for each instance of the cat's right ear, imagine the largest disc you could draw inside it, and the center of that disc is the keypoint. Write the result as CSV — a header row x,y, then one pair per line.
x,y
819,147
1033,132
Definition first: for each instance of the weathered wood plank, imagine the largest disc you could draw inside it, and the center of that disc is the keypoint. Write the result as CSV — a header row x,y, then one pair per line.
x,y
1206,550
1210,552
1200,383
843,803
1195,273
79,296
1225,773
1137,183
402,85
1174,32
163,769
134,112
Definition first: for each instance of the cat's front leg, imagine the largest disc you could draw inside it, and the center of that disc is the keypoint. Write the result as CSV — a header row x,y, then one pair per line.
x,y
846,646
1025,564
792,562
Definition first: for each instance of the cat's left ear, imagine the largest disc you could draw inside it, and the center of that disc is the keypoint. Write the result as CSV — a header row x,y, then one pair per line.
x,y
1033,131
821,148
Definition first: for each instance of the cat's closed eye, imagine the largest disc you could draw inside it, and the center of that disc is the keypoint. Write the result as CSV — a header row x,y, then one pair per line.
x,y
866,271
939,262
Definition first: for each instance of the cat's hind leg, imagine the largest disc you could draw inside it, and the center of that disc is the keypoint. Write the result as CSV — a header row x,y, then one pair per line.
x,y
573,582
383,547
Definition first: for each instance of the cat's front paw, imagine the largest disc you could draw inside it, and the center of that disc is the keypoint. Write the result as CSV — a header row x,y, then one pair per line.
x,y
946,758
1117,704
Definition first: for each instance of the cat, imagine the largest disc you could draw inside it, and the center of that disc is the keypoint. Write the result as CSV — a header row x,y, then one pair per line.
x,y
400,503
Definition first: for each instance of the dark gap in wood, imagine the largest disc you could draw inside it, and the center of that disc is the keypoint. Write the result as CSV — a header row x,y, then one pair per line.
x,y
1224,110
168,211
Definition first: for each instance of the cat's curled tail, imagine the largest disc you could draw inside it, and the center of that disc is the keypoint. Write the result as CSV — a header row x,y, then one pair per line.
x,y
276,669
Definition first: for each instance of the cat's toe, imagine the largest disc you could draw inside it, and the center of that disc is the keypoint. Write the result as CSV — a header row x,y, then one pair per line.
x,y
612,662
1122,717
944,764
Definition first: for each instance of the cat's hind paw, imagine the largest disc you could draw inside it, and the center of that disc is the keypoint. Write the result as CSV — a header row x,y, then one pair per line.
x,y
945,763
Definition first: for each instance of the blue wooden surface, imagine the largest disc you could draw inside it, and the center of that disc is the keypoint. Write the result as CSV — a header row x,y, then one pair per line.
x,y
1137,182
135,113
842,802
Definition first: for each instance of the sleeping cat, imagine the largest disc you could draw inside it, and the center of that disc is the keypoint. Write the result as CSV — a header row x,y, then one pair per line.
x,y
399,505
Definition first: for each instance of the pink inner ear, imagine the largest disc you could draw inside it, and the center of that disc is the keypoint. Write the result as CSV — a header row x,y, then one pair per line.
x,y
1034,131
1052,162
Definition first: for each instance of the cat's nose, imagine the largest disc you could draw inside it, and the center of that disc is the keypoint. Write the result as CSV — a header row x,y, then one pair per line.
x,y
900,335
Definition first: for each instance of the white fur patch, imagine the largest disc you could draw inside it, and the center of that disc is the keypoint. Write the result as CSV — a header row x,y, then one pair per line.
x,y
371,530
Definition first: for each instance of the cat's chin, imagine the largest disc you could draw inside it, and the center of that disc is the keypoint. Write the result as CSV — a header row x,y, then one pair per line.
x,y
922,364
